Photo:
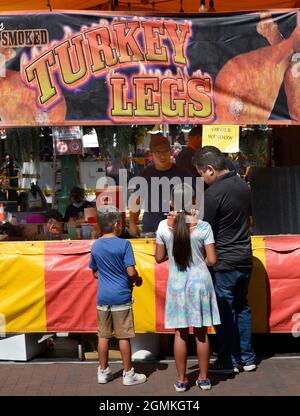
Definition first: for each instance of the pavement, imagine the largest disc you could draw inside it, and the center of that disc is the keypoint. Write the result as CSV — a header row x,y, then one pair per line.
x,y
59,376
275,376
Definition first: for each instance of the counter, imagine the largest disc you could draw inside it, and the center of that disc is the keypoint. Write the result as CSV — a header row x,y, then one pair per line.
x,y
47,286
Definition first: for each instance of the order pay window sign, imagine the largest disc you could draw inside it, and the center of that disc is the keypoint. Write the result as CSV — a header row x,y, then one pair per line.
x,y
224,137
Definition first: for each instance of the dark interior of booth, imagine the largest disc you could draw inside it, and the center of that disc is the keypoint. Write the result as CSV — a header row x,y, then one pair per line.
x,y
274,155
275,190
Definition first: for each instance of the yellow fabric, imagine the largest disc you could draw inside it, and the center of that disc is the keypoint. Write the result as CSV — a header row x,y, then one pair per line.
x,y
144,296
22,288
258,287
170,6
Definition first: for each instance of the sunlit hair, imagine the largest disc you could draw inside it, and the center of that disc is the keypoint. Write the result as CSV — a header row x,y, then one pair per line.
x,y
182,202
107,217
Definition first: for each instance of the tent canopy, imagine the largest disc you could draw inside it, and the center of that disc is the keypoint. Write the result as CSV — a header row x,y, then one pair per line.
x,y
146,5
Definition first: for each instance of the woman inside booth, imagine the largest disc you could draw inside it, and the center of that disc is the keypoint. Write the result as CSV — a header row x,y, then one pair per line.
x,y
77,205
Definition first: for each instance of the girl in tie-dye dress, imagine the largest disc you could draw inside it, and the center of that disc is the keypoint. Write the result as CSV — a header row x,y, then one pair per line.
x,y
190,297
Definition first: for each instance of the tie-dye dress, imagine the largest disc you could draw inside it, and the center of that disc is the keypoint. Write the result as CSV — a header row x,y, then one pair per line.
x,y
190,297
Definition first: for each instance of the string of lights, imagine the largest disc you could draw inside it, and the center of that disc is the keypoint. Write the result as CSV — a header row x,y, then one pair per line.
x,y
141,5
48,4
130,5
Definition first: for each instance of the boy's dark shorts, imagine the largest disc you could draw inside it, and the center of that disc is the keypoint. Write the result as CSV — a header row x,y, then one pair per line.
x,y
115,321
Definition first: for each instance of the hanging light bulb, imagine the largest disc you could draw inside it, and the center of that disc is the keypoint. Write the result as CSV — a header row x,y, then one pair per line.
x,y
202,8
181,8
211,7
158,128
186,128
48,4
2,134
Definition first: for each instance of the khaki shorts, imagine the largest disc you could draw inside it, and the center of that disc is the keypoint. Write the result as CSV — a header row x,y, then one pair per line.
x,y
115,321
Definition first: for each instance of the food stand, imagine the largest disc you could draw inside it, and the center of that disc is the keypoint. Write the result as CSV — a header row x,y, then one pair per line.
x,y
98,68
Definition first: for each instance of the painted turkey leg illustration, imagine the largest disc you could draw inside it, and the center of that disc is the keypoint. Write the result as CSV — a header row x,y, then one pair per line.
x,y
247,86
18,103
8,53
271,32
269,29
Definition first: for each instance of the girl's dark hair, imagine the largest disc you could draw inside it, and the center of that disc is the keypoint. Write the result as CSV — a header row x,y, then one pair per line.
x,y
182,202
182,250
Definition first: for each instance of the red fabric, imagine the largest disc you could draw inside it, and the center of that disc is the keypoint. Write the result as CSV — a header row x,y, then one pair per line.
x,y
70,288
161,272
282,263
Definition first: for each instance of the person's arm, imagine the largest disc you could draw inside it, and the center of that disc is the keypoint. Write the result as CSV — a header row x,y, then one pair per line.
x,y
250,224
93,266
248,169
160,253
134,276
134,219
211,256
211,212
209,246
129,262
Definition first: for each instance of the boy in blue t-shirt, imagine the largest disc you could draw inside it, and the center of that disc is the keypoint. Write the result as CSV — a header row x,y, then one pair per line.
x,y
113,264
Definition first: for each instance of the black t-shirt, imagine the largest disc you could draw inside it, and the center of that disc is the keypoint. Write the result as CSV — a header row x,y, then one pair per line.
x,y
157,199
72,211
184,160
226,208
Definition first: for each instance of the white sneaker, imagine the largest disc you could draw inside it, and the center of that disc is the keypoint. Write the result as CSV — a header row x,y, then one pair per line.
x,y
104,376
249,367
130,378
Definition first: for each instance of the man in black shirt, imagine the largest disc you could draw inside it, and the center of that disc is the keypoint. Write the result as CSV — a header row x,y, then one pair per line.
x,y
156,195
226,208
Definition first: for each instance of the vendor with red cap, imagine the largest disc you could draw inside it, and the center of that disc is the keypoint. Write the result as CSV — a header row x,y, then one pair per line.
x,y
156,200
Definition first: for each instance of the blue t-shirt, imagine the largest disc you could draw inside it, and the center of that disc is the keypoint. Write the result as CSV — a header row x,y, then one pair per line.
x,y
110,256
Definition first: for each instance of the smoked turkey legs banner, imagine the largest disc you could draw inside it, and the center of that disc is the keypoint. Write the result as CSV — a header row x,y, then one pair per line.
x,y
68,68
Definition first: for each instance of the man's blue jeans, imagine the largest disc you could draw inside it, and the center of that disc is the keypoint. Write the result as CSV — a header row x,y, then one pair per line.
x,y
235,331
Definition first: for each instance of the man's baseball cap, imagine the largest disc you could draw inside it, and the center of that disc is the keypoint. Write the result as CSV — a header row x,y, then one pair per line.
x,y
159,142
196,131
195,138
